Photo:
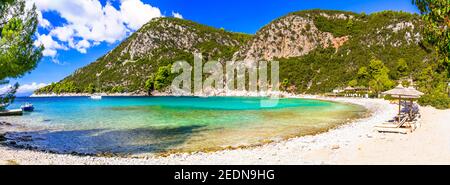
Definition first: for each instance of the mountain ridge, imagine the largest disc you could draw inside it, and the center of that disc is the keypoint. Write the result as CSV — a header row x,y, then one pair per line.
x,y
306,43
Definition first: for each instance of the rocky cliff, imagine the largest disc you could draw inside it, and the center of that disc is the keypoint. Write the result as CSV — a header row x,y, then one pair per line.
x,y
318,50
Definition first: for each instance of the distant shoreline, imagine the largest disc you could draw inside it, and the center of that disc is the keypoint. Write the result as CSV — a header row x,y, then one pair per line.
x,y
231,93
380,110
352,143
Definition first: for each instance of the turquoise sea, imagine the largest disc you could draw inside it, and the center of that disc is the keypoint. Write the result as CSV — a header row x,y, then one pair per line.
x,y
140,125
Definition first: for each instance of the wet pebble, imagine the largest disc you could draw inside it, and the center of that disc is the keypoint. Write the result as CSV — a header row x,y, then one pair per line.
x,y
5,123
2,137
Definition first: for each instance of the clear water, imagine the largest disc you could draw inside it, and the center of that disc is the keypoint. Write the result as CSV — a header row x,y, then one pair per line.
x,y
141,125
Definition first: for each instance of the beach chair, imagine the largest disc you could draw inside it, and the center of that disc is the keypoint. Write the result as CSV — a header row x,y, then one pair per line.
x,y
394,123
3,106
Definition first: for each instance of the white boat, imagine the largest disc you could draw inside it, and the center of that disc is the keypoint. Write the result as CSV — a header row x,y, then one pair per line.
x,y
28,107
96,97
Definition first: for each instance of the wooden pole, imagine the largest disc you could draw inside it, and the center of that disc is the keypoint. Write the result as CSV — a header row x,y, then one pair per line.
x,y
411,108
399,107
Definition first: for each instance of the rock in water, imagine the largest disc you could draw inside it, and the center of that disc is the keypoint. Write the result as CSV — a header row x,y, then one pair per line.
x,y
2,137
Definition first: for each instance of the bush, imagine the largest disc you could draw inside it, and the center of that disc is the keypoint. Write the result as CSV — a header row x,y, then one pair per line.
x,y
150,84
90,89
117,89
162,77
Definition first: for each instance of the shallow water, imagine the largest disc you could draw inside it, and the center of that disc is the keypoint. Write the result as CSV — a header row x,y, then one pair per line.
x,y
136,125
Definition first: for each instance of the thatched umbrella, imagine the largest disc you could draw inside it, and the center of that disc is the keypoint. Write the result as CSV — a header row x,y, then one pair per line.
x,y
405,93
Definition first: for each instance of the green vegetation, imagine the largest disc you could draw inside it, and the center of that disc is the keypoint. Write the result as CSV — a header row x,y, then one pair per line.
x,y
401,69
323,70
353,83
90,89
284,84
379,54
432,82
163,77
18,55
119,68
375,76
435,14
117,89
379,79
339,28
66,87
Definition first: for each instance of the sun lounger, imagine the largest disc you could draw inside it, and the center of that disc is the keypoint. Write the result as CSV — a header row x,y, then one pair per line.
x,y
3,106
394,126
15,112
394,130
411,110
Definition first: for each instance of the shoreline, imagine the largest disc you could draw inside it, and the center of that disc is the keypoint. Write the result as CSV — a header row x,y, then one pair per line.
x,y
330,147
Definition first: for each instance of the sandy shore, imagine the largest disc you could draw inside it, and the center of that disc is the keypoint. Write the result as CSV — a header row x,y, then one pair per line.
x,y
354,143
85,95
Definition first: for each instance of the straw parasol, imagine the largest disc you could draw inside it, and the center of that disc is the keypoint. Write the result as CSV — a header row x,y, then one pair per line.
x,y
405,93
401,91
413,92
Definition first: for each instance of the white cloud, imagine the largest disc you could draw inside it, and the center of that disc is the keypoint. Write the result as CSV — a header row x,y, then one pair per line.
x,y
63,33
44,23
82,46
24,89
29,88
89,23
177,15
50,45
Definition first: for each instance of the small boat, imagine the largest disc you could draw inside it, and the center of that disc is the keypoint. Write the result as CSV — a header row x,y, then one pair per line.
x,y
15,112
96,97
28,107
3,106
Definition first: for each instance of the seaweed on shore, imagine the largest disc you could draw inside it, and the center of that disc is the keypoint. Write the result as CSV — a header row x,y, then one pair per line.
x,y
5,123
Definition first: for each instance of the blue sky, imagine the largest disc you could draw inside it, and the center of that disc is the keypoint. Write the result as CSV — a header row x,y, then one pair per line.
x,y
79,32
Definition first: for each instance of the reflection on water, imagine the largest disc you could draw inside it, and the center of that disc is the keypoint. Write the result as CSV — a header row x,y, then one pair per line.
x,y
136,125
